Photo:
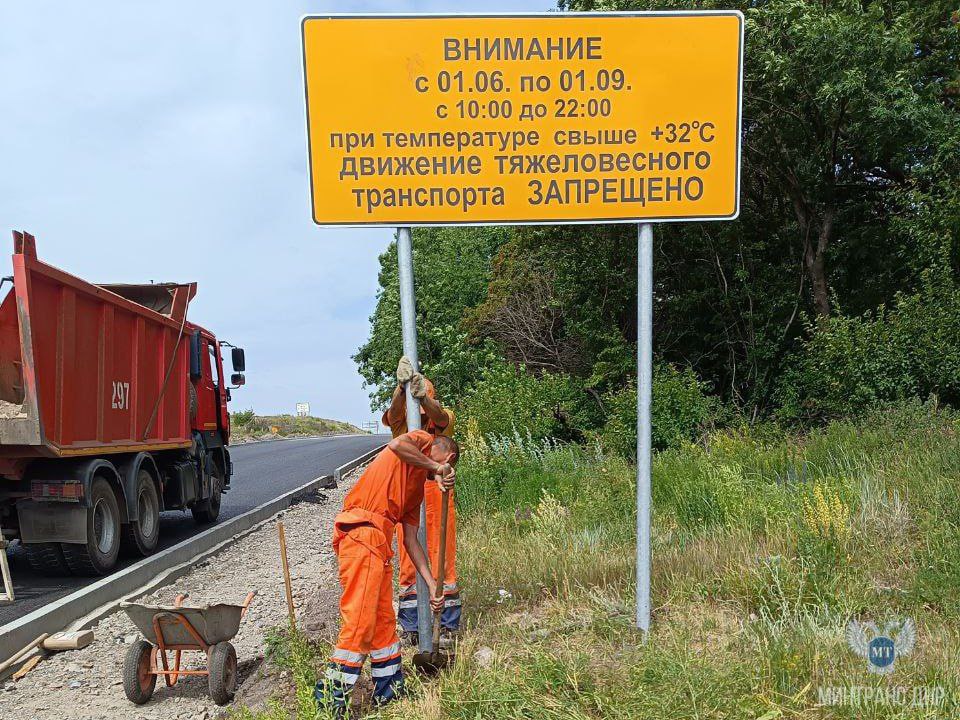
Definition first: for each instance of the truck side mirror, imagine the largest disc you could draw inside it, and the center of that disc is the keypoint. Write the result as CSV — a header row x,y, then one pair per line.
x,y
195,349
238,380
239,360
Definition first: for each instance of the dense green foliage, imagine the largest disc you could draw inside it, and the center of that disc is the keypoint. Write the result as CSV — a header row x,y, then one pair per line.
x,y
909,350
452,273
836,288
680,410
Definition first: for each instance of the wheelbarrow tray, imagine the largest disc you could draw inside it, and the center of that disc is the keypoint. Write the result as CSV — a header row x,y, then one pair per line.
x,y
214,623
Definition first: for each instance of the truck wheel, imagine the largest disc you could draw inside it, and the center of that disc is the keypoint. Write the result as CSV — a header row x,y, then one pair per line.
x,y
46,558
141,533
138,683
99,554
207,511
223,672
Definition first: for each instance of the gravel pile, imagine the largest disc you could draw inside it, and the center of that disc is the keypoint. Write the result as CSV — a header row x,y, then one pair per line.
x,y
86,684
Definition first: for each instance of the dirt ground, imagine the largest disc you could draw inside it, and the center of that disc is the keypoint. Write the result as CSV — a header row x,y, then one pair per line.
x,y
86,684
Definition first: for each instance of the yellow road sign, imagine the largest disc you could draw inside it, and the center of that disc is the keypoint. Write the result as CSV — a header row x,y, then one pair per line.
x,y
552,118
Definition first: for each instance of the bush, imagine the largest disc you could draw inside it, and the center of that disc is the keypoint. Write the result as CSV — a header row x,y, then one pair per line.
x,y
849,364
680,409
508,399
243,417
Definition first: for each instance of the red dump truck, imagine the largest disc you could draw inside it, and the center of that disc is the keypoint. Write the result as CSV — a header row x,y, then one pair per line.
x,y
113,408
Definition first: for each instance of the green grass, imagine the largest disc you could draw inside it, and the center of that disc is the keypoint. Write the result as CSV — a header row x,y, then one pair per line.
x,y
765,544
301,661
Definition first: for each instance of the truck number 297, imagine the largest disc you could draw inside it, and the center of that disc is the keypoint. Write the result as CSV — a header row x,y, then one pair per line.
x,y
121,396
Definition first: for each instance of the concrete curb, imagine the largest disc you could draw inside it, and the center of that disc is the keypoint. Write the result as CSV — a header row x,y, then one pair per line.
x,y
90,603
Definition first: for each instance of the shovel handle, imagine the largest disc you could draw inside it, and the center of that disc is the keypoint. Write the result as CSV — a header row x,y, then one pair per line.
x,y
442,570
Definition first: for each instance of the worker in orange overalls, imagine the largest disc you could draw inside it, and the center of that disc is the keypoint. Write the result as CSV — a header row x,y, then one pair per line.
x,y
389,493
436,420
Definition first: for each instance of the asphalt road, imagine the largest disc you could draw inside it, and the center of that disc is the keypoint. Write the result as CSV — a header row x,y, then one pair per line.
x,y
261,472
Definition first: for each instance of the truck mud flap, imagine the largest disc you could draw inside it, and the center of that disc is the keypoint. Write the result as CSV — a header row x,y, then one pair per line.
x,y
52,522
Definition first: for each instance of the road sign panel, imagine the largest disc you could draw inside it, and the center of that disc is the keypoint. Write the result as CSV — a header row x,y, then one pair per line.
x,y
552,118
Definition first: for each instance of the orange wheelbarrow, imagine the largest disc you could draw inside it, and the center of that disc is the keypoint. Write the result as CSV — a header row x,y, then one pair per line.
x,y
177,629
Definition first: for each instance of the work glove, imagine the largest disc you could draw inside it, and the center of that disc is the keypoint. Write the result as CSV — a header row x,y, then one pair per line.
x,y
404,370
418,386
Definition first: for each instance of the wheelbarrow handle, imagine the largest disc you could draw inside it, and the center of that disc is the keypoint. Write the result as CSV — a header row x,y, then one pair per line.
x,y
246,602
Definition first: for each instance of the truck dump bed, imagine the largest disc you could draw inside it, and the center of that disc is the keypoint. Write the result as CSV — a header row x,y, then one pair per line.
x,y
90,369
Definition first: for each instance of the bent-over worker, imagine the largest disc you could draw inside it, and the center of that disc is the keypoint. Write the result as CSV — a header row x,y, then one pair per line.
x,y
438,421
388,493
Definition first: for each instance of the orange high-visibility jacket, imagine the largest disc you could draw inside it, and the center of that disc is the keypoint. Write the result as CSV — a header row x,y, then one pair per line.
x,y
388,492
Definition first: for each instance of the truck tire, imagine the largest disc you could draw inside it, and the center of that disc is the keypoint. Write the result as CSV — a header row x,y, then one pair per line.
x,y
46,558
138,683
98,555
223,673
140,535
207,511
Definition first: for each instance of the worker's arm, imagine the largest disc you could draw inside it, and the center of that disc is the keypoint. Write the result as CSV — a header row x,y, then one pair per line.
x,y
398,405
435,412
408,452
447,475
419,559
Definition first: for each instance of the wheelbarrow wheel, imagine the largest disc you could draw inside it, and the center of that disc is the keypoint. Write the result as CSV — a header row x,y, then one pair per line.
x,y
138,682
223,672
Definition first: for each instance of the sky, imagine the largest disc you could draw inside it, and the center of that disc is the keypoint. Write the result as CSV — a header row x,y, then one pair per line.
x,y
166,142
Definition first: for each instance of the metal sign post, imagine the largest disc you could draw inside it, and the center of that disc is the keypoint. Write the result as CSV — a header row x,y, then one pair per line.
x,y
408,320
644,382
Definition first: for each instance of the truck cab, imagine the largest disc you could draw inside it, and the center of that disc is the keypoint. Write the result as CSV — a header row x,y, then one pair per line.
x,y
209,415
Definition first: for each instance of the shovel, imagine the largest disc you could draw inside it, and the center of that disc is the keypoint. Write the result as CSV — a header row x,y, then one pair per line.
x,y
430,663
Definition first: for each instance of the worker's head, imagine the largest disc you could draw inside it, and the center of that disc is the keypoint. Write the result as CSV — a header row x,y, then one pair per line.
x,y
445,449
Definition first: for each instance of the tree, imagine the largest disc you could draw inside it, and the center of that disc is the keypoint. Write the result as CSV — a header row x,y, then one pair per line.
x,y
841,101
451,274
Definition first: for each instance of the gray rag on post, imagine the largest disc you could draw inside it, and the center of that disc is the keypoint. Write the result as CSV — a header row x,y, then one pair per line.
x,y
404,370
418,386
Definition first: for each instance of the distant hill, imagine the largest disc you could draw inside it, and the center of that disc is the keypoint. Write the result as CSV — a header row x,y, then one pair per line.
x,y
247,426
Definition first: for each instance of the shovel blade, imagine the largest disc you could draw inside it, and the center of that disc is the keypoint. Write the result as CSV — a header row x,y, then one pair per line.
x,y
431,663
